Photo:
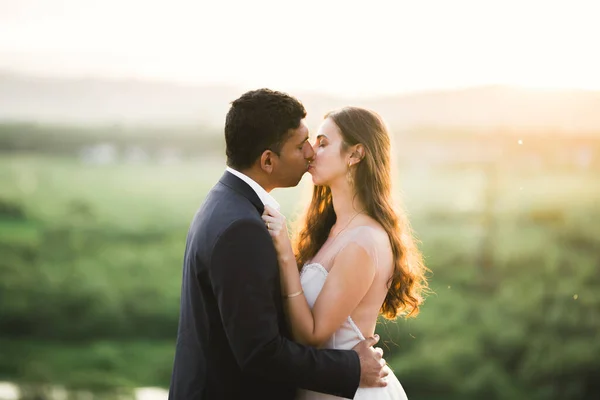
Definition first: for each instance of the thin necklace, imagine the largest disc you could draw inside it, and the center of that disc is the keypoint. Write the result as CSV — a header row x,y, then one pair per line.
x,y
348,224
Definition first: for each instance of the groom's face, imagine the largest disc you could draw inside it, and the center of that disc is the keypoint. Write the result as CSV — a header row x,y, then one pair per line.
x,y
294,157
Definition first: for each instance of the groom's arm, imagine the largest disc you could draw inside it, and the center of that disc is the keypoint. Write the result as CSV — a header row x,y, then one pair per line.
x,y
243,271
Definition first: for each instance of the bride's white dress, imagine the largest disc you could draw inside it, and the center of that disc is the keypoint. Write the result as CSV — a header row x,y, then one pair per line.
x,y
313,278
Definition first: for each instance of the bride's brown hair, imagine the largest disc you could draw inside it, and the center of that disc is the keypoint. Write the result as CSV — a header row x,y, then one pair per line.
x,y
373,186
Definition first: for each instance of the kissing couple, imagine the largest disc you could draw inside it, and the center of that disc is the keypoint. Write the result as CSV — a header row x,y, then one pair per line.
x,y
265,317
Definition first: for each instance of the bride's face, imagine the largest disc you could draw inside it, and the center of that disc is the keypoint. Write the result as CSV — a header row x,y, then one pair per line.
x,y
330,164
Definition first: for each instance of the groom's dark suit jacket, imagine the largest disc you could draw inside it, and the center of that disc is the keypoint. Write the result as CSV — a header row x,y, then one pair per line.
x,y
233,341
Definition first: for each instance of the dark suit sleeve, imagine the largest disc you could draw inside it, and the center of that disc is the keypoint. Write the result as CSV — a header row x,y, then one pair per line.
x,y
244,271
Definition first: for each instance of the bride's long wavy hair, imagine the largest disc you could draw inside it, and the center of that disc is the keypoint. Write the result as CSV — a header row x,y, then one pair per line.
x,y
373,186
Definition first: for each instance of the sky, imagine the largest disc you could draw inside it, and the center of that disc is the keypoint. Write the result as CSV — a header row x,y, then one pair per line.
x,y
352,48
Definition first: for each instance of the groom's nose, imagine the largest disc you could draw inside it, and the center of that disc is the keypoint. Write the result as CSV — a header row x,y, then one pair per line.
x,y
309,153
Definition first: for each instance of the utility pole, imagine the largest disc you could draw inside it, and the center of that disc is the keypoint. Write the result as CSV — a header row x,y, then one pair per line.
x,y
488,223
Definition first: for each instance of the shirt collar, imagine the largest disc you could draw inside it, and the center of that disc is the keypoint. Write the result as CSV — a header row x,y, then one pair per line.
x,y
262,194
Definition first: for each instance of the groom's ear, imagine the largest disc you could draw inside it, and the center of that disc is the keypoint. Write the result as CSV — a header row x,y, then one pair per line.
x,y
267,159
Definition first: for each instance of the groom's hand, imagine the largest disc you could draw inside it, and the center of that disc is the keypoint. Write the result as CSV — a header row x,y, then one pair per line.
x,y
372,372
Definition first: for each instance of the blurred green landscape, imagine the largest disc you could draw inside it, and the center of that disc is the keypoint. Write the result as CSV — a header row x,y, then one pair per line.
x,y
91,248
93,220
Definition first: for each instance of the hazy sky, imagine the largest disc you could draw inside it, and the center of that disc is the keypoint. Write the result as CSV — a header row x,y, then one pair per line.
x,y
343,47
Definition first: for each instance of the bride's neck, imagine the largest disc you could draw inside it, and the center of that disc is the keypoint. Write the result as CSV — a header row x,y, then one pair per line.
x,y
345,204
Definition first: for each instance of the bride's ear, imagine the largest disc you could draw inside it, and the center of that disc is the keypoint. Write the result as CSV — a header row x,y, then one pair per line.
x,y
357,153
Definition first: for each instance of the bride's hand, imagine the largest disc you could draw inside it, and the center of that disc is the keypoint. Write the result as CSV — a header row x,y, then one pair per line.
x,y
277,227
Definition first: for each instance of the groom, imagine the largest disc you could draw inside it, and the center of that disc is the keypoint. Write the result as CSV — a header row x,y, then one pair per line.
x,y
233,341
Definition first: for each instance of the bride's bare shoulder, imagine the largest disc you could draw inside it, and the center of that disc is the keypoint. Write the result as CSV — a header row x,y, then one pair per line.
x,y
371,231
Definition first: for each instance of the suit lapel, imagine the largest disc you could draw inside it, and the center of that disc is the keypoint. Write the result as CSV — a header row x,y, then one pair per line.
x,y
241,187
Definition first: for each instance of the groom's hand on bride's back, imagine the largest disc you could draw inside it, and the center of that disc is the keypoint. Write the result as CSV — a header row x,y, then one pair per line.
x,y
372,371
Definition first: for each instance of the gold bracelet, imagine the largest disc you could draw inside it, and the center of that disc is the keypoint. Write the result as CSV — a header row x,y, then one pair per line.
x,y
294,294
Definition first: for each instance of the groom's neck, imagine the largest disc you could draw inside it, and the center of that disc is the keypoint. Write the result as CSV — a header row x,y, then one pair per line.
x,y
258,177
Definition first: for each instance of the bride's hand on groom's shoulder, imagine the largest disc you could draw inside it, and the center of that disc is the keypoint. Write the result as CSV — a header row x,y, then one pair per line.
x,y
277,227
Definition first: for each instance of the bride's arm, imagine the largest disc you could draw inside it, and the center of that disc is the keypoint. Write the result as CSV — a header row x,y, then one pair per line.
x,y
349,280
347,283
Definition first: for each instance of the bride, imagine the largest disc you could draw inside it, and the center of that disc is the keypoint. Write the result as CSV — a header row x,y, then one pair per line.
x,y
354,255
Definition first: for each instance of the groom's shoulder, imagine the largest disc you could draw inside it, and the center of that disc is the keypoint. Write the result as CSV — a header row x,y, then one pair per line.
x,y
222,198
223,207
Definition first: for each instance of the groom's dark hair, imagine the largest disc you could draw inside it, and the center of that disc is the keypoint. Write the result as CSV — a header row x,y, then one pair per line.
x,y
257,121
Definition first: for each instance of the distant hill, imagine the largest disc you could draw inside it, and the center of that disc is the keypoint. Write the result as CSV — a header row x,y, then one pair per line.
x,y
497,108
93,101
97,101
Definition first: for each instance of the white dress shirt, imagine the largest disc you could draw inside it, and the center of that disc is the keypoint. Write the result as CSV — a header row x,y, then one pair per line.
x,y
262,194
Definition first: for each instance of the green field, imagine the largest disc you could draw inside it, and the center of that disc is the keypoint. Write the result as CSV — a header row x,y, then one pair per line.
x,y
91,267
